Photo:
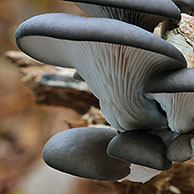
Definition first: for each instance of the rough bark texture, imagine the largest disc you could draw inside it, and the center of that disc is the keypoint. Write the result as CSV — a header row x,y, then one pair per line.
x,y
182,37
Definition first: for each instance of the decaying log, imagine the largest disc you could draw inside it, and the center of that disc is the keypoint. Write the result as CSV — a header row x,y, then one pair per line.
x,y
53,85
182,37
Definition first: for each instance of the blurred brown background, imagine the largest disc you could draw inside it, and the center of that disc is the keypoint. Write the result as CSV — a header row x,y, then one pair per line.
x,y
13,12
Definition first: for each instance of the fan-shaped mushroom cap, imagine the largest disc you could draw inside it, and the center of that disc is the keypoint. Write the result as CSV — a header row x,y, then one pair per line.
x,y
146,14
116,60
172,82
82,152
181,149
140,148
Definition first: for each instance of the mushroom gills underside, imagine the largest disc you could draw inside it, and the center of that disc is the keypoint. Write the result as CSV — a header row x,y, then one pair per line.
x,y
115,73
165,134
179,110
144,20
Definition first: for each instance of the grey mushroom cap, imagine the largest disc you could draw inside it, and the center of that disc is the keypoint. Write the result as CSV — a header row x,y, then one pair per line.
x,y
140,148
77,28
145,14
164,8
178,108
82,152
115,59
172,82
181,149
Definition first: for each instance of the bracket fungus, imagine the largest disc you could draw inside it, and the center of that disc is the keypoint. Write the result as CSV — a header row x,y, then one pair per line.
x,y
146,15
141,81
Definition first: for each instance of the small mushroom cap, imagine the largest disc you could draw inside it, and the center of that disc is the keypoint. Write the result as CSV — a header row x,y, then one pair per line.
x,y
140,148
82,152
157,7
174,81
141,174
180,150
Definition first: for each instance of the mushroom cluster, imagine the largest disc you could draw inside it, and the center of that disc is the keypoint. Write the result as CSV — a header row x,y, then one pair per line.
x,y
144,87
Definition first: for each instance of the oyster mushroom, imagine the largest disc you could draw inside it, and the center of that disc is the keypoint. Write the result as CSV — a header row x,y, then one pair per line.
x,y
143,14
177,81
179,110
116,60
140,148
82,152
174,91
182,148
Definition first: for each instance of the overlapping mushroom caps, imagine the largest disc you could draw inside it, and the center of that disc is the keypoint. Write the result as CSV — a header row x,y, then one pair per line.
x,y
174,91
145,14
119,62
116,60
